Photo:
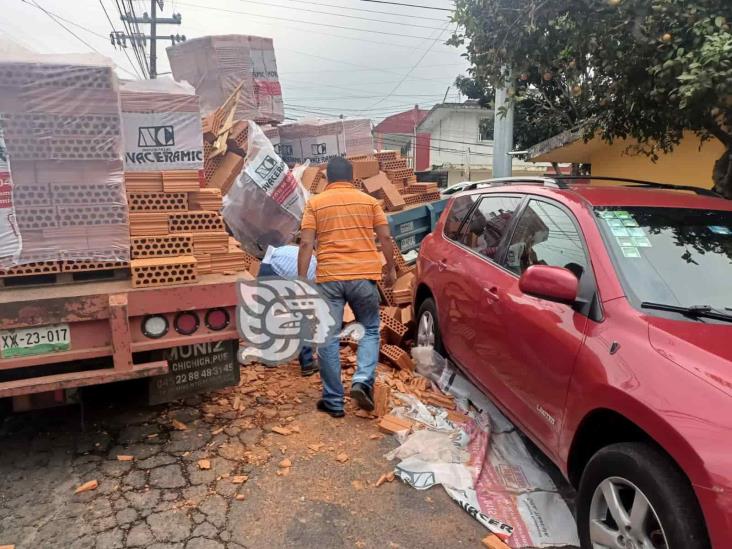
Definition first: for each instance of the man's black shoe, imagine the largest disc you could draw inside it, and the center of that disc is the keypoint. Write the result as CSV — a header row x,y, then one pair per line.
x,y
309,369
323,407
361,393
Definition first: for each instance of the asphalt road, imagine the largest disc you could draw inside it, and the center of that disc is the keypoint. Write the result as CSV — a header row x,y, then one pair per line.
x,y
163,499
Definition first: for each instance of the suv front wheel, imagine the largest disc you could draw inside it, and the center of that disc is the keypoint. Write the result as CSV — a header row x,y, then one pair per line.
x,y
632,496
428,331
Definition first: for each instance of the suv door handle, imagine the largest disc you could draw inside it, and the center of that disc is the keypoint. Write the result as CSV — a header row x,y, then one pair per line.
x,y
491,294
441,265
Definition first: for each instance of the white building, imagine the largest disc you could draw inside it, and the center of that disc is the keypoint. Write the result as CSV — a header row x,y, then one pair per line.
x,y
461,143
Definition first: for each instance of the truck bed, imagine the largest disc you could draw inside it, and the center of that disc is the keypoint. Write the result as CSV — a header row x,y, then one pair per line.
x,y
99,287
106,319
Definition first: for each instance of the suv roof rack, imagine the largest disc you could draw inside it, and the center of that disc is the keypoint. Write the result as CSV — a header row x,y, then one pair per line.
x,y
501,181
641,183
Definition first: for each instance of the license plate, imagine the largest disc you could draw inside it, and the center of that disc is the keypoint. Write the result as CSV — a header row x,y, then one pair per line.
x,y
408,242
406,227
38,340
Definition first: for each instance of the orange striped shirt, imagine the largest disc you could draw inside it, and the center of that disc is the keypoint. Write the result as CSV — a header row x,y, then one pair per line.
x,y
344,219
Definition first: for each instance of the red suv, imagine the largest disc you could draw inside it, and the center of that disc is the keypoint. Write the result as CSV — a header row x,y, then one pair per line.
x,y
599,319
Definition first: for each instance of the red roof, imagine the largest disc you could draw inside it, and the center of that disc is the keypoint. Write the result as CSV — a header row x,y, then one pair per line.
x,y
403,122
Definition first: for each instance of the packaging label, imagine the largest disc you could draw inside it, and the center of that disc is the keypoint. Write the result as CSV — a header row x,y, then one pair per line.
x,y
162,141
273,176
10,240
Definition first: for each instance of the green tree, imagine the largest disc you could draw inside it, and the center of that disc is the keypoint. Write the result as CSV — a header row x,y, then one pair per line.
x,y
645,70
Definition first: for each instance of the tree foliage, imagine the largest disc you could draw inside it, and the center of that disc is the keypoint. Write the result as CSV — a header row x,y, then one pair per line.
x,y
645,70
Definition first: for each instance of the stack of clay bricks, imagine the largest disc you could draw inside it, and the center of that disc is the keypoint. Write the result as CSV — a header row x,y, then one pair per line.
x,y
62,129
384,175
177,232
224,144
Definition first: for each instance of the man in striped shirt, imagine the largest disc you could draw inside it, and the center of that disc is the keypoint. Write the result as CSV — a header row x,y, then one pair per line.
x,y
343,221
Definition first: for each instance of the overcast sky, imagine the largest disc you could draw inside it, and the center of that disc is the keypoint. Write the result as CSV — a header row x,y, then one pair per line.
x,y
326,65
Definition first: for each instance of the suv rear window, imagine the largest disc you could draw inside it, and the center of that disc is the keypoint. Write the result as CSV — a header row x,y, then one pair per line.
x,y
485,228
459,209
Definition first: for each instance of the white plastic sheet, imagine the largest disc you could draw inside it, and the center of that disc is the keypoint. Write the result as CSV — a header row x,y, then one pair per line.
x,y
216,65
62,131
264,206
319,140
10,239
498,483
161,121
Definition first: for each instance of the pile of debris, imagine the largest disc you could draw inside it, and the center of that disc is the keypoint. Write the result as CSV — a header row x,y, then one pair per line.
x,y
384,175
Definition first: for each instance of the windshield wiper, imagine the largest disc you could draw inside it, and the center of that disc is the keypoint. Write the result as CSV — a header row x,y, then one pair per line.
x,y
694,311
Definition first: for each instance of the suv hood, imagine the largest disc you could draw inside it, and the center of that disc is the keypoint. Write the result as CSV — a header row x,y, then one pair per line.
x,y
703,349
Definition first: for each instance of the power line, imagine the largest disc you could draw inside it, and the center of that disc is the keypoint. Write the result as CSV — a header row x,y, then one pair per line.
x,y
341,14
141,61
413,66
57,20
124,50
408,5
308,22
136,43
342,97
371,70
411,16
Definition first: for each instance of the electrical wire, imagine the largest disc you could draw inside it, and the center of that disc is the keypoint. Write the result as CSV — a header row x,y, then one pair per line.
x,y
341,14
370,70
124,50
408,5
143,54
343,97
413,66
129,30
411,16
57,19
308,22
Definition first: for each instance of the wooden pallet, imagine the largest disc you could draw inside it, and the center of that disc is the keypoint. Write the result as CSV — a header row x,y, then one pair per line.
x,y
53,279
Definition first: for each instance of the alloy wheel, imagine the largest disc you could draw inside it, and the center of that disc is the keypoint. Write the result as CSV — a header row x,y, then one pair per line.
x,y
426,330
622,517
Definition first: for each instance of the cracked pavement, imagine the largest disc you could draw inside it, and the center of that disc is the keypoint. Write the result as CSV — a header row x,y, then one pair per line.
x,y
163,499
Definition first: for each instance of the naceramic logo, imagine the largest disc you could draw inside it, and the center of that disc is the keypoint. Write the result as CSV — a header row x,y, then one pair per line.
x,y
156,136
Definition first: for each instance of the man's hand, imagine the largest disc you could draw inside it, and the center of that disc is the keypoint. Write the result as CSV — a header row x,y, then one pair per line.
x,y
387,248
307,243
390,277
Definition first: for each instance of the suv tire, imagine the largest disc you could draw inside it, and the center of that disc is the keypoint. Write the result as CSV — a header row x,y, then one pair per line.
x,y
634,469
426,318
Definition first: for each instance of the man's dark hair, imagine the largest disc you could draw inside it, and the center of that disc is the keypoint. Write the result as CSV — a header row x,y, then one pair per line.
x,y
339,169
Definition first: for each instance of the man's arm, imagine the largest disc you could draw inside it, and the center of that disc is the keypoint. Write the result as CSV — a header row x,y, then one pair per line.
x,y
307,243
384,236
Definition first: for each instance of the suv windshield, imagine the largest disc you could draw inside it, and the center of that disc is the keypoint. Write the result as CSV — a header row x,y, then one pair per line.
x,y
674,256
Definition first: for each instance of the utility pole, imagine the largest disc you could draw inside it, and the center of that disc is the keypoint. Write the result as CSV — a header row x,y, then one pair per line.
x,y
153,20
502,134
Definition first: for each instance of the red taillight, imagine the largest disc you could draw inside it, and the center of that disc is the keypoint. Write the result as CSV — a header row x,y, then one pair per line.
x,y
217,319
186,323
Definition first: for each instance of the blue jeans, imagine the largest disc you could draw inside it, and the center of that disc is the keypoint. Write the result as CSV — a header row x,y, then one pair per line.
x,y
363,298
306,353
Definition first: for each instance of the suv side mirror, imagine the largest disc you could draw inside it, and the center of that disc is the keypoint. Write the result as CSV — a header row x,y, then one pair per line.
x,y
552,283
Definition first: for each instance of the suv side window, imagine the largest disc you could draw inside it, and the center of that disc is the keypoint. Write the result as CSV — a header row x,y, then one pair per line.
x,y
487,225
459,209
546,235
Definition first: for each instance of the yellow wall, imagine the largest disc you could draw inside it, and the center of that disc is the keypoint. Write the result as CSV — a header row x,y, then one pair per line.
x,y
686,165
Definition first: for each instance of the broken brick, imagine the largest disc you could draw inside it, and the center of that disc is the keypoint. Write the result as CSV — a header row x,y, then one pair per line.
x,y
87,486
